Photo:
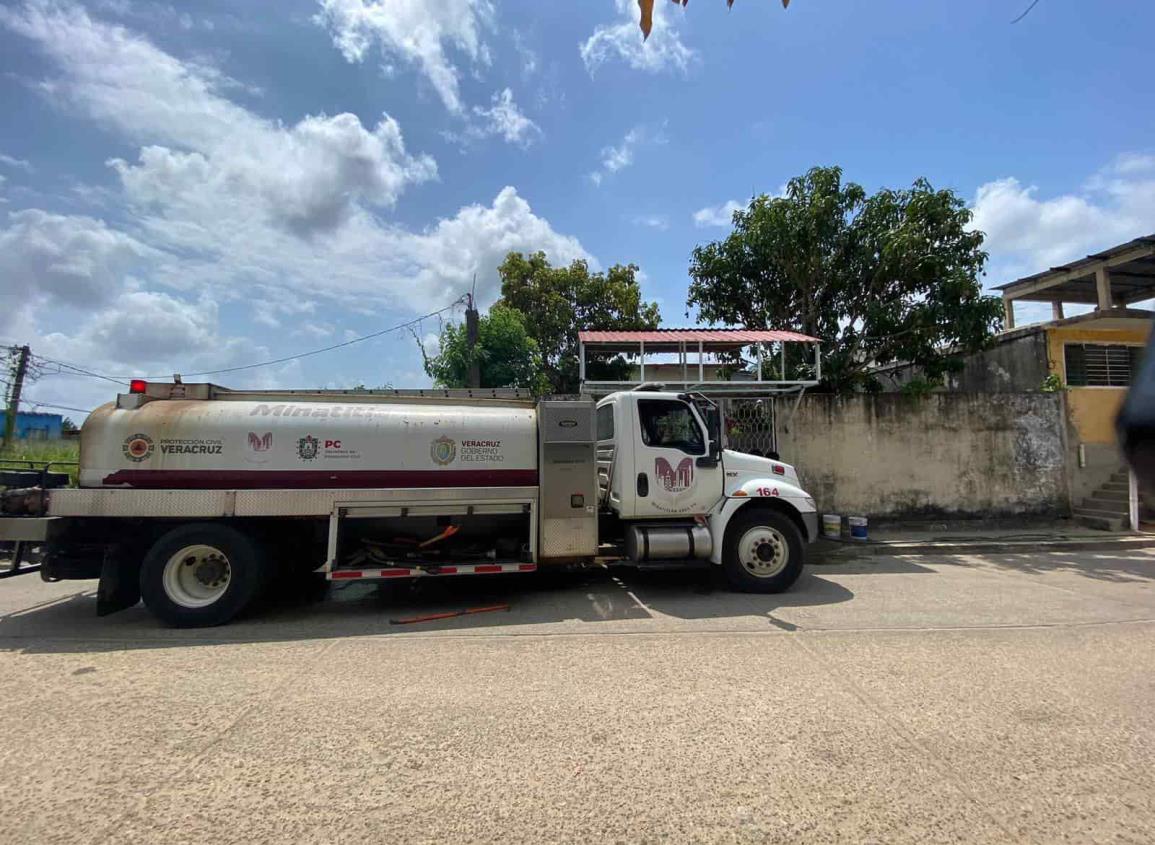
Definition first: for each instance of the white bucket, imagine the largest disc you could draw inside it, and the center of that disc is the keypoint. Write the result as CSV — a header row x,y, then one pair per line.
x,y
831,525
857,527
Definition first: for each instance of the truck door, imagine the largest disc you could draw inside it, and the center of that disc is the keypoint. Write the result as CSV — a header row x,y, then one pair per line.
x,y
609,457
668,440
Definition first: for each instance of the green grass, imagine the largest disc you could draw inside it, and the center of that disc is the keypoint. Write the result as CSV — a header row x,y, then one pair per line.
x,y
42,451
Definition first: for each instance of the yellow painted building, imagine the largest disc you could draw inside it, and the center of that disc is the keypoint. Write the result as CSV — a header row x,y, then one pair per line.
x,y
1094,356
1092,407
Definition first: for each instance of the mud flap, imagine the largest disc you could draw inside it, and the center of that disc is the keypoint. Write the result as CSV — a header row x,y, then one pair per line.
x,y
119,581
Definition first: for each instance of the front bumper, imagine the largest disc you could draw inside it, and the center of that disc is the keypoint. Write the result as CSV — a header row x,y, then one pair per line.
x,y
810,520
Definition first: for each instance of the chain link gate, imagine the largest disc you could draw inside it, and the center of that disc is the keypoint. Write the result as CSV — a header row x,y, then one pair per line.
x,y
749,424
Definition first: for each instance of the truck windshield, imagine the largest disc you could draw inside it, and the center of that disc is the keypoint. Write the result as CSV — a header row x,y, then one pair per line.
x,y
669,424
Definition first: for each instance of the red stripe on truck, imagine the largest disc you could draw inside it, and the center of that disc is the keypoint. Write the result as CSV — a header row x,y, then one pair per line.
x,y
249,479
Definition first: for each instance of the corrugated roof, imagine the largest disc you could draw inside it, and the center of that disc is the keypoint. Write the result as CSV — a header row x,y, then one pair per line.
x,y
1089,264
695,335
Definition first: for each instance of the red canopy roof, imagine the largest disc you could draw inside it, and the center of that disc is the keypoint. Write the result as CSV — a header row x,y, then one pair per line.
x,y
729,338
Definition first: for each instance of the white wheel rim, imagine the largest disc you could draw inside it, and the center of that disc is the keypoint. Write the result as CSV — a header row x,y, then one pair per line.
x,y
763,551
197,576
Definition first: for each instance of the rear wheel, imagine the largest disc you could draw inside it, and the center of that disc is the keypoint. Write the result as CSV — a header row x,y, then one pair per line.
x,y
200,575
763,552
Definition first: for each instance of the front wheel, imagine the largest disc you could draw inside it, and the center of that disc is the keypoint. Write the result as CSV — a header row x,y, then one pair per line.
x,y
763,552
200,575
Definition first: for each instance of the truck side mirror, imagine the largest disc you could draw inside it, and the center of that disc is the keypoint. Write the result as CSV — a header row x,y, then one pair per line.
x,y
714,433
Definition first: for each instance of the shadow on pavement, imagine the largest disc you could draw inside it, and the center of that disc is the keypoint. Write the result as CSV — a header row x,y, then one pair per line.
x,y
1119,567
303,612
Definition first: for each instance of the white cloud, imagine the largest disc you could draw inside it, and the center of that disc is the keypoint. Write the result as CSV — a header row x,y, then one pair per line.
x,y
68,261
235,192
120,79
529,58
151,334
717,215
416,31
307,177
477,239
652,221
503,118
622,41
15,163
88,276
1026,234
222,206
619,156
1129,163
155,15
147,326
315,330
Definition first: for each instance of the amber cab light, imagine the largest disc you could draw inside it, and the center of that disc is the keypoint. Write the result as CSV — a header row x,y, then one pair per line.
x,y
137,385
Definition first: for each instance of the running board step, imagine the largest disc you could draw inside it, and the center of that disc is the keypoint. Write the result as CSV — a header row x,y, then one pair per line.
x,y
432,570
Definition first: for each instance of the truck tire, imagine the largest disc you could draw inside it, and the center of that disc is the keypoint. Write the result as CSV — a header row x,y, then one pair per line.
x,y
763,551
199,575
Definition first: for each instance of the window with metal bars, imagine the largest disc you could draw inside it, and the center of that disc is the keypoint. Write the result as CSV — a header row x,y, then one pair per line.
x,y
1100,364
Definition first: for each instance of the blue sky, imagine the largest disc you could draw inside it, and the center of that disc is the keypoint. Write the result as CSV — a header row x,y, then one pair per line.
x,y
205,185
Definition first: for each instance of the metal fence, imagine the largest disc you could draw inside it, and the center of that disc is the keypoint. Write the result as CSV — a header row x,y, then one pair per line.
x,y
748,424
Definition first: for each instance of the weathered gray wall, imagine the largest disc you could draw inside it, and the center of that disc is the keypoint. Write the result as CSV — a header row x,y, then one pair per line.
x,y
1017,364
1013,364
960,454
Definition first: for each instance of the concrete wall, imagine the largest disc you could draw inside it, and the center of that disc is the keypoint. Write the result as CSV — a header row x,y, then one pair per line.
x,y
1016,363
946,454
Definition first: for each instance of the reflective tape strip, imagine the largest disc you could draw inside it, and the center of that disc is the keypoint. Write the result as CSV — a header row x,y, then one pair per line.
x,y
468,569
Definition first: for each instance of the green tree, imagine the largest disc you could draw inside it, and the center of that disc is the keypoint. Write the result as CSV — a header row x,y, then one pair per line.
x,y
507,356
558,302
893,276
68,425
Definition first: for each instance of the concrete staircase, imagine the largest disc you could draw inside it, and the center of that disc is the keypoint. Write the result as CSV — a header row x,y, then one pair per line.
x,y
1107,508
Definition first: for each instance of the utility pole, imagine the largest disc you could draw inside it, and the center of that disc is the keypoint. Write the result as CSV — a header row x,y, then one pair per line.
x,y
23,353
471,329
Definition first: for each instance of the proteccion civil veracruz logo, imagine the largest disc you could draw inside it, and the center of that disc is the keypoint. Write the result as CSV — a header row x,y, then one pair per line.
x,y
307,447
138,447
443,450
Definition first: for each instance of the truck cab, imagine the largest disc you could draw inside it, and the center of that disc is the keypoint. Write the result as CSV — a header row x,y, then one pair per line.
x,y
673,492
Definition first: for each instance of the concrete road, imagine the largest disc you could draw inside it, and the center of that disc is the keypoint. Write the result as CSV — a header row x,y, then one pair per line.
x,y
920,699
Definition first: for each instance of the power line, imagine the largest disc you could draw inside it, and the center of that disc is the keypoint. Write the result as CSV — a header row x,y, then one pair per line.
x,y
300,355
80,371
36,404
1027,12
400,326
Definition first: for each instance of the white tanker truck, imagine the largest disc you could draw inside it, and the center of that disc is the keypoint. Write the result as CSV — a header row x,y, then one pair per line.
x,y
193,496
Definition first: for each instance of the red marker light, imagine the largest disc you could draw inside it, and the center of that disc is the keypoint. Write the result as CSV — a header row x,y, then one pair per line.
x,y
779,469
137,385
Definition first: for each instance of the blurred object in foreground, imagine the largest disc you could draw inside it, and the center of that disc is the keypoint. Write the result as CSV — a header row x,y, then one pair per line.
x,y
1136,421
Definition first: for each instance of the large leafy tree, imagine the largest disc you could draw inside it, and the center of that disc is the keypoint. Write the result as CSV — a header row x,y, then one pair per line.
x,y
506,354
892,276
558,302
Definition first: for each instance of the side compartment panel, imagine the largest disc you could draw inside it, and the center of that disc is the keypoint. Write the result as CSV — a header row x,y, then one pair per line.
x,y
569,479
